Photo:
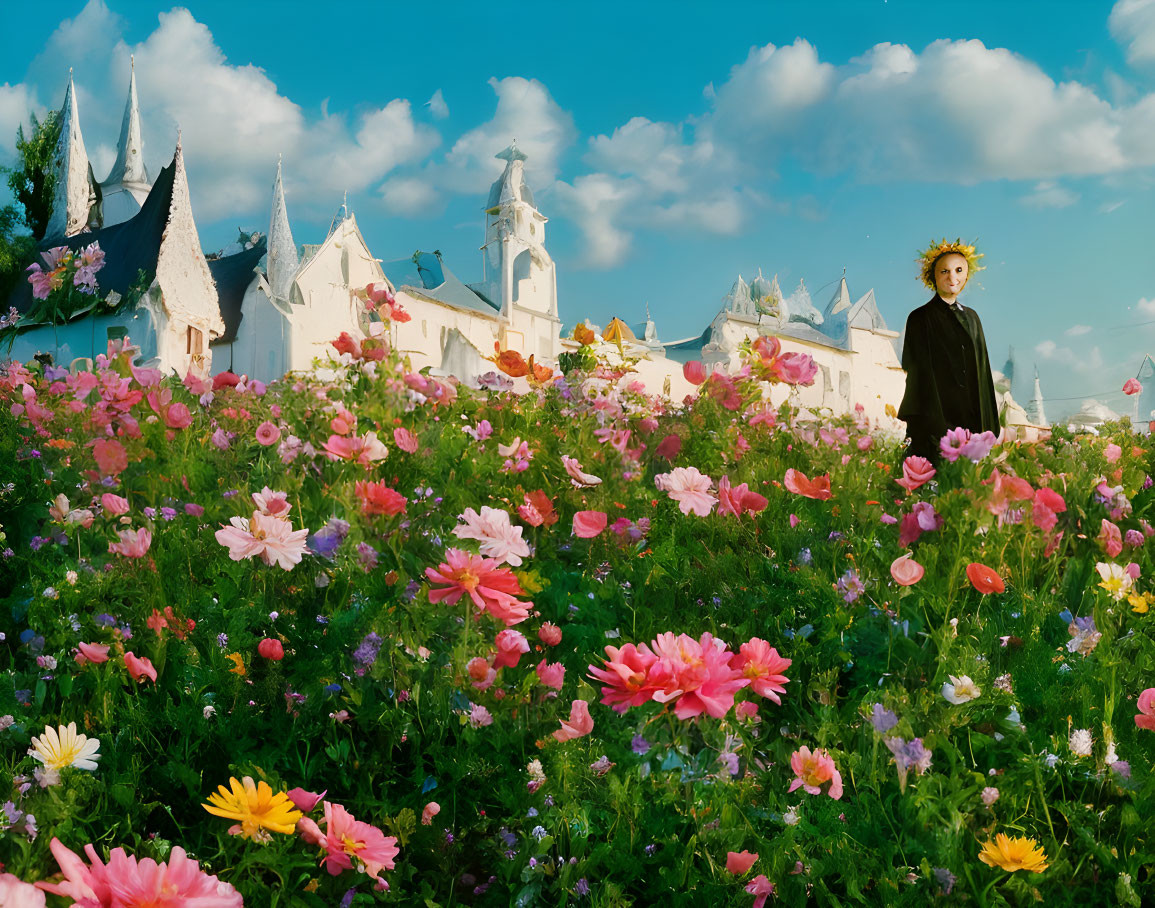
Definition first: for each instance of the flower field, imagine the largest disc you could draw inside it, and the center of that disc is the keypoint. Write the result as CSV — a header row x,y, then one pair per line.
x,y
367,636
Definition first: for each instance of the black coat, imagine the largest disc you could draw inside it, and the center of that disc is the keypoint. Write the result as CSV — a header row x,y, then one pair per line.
x,y
948,376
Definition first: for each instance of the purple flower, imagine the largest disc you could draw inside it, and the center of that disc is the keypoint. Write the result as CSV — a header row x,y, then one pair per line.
x,y
367,555
909,754
945,880
366,653
582,887
882,719
640,745
850,585
926,516
168,513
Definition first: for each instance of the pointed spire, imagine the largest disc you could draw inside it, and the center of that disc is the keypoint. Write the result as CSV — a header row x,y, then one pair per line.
x,y
75,192
129,166
840,302
511,185
1035,411
282,262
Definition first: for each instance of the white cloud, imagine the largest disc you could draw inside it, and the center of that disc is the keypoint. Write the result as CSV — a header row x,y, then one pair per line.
x,y
1132,24
1146,306
410,197
1108,207
765,92
1045,349
595,202
438,109
16,101
1048,194
1077,330
1086,362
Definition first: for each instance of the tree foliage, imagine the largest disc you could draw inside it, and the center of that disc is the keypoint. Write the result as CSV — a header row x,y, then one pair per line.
x,y
32,180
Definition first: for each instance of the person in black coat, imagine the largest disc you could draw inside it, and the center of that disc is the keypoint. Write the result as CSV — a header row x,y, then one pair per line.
x,y
948,372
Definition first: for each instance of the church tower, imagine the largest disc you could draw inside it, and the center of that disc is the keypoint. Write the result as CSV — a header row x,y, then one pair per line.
x,y
127,184
76,205
1035,412
518,275
281,265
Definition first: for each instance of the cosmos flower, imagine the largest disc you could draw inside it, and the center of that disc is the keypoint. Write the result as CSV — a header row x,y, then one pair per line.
x,y
960,690
350,844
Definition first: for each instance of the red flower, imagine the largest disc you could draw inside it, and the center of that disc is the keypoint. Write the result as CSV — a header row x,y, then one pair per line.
x,y
694,372
490,587
378,498
1132,386
983,579
270,648
110,456
588,524
818,487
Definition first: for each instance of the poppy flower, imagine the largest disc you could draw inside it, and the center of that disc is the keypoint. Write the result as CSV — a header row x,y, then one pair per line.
x,y
906,571
817,488
983,579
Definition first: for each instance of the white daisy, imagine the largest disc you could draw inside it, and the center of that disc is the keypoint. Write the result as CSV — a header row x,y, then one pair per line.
x,y
61,747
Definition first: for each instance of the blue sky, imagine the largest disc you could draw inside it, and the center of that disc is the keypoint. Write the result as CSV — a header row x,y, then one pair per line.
x,y
671,145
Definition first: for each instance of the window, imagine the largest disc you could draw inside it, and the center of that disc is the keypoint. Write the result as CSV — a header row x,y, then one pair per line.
x,y
117,332
194,341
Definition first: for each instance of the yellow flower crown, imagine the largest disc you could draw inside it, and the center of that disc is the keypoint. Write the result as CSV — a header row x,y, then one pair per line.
x,y
926,259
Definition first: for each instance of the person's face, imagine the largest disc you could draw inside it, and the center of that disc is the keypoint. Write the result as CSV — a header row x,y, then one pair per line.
x,y
950,275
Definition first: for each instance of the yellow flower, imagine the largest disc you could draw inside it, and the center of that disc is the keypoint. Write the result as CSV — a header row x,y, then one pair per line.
x,y
1140,602
238,663
256,807
58,748
1019,853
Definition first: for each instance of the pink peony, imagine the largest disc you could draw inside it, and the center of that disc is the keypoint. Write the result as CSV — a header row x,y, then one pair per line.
x,y
92,652
268,433
588,524
690,488
694,372
491,587
549,634
1132,386
346,839
795,369
579,723
178,416
817,488
113,505
625,676
1146,715
1112,453
139,667
760,662
740,862
811,770
378,498
738,500
916,471
110,455
906,571
271,538
499,538
481,673
132,545
1048,504
428,812
510,646
405,440
551,674
695,674
272,649
125,883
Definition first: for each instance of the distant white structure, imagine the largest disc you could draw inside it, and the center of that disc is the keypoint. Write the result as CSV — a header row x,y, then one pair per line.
x,y
1036,412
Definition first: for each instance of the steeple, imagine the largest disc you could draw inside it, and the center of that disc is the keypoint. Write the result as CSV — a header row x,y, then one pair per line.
x,y
511,185
77,199
282,261
1035,412
840,302
129,166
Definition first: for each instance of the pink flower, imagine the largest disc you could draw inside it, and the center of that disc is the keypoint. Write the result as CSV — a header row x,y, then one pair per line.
x,y
305,801
812,770
1146,715
125,882
272,504
669,447
690,488
549,634
952,443
864,443
738,500
588,524
272,538
510,646
759,887
916,471
113,505
268,433
272,649
694,372
378,498
139,667
579,478
428,812
499,538
1048,505
817,488
696,674
625,676
15,893
740,862
347,840
132,545
92,652
1110,538
178,416
1112,453
795,368
405,440
481,673
1132,386
110,455
490,587
364,451
760,662
551,674
479,716
579,724
906,571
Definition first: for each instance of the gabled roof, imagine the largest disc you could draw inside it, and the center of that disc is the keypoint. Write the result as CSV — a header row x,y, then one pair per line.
x,y
233,274
426,275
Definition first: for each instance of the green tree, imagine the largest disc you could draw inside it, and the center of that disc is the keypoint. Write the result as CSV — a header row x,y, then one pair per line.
x,y
16,251
32,180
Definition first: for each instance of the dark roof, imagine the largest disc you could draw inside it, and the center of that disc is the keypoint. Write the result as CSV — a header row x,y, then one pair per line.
x,y
129,247
233,275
